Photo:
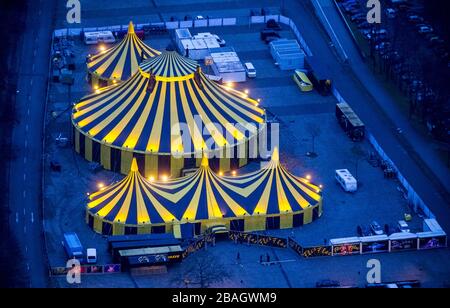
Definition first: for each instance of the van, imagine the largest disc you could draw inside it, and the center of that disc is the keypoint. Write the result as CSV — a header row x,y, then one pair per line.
x,y
96,37
250,69
346,180
302,80
91,255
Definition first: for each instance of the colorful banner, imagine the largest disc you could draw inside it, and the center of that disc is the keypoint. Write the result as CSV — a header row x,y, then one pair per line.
x,y
346,249
317,251
375,247
404,244
433,242
258,239
295,246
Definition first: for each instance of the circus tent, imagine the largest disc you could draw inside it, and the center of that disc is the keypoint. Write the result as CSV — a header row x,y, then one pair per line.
x,y
119,62
271,198
143,118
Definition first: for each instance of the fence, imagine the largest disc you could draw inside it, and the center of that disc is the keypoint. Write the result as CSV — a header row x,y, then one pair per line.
x,y
412,196
258,239
88,269
202,23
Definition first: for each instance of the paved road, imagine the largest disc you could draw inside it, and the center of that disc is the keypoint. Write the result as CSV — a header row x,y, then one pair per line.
x,y
25,172
369,106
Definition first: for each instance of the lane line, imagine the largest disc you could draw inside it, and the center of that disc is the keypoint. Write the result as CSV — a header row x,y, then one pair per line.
x,y
17,217
24,176
32,217
25,160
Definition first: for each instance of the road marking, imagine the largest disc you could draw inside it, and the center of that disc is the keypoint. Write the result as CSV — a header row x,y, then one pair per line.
x,y
29,97
26,248
24,212
34,53
24,229
24,176
26,128
26,143
32,217
31,82
24,195
24,160
33,65
28,267
17,217
28,111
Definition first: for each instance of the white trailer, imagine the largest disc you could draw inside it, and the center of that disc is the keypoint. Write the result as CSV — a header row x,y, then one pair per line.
x,y
346,180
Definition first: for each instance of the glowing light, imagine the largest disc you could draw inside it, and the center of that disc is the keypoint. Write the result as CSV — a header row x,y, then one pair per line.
x,y
114,81
233,173
151,178
95,87
102,48
246,91
321,186
101,186
164,178
97,91
230,84
220,173
259,100
308,176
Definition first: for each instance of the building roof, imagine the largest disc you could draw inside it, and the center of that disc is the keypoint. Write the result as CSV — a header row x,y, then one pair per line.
x,y
121,61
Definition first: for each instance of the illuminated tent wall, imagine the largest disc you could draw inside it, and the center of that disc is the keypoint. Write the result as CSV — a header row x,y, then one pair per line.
x,y
138,118
119,62
271,198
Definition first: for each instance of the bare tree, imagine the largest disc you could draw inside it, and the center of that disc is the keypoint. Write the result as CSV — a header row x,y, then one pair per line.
x,y
314,131
201,269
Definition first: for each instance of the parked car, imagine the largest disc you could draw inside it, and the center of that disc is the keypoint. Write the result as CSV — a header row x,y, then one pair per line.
x,y
425,29
403,226
328,284
358,17
272,24
268,32
363,231
415,19
391,13
376,228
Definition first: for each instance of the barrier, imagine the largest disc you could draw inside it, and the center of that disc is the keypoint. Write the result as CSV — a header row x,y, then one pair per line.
x,y
88,269
214,22
258,239
412,196
197,244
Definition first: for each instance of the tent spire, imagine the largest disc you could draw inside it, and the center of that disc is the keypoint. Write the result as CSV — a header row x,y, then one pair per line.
x,y
205,162
275,155
134,166
130,28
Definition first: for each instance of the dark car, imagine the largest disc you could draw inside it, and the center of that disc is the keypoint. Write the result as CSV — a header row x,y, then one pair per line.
x,y
268,32
328,284
363,231
272,24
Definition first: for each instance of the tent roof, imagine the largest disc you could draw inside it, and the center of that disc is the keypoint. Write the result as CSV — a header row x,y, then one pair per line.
x,y
147,113
121,61
203,195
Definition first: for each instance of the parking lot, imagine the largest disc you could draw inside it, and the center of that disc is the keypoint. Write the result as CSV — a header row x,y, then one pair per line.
x,y
377,198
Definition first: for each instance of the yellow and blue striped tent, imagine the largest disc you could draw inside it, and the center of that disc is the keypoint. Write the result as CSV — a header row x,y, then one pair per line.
x,y
270,198
144,116
119,62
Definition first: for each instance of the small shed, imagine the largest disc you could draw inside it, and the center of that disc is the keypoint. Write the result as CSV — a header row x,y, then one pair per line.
x,y
288,54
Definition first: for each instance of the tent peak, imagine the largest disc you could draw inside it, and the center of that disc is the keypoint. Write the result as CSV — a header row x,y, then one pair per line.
x,y
130,28
134,166
205,162
275,155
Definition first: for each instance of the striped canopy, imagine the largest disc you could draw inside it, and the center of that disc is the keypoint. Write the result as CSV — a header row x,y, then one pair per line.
x,y
203,195
146,113
121,61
